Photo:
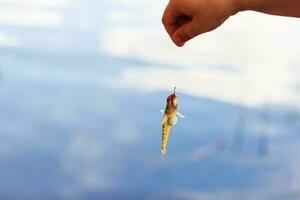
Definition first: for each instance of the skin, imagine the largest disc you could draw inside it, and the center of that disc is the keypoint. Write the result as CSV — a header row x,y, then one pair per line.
x,y
186,19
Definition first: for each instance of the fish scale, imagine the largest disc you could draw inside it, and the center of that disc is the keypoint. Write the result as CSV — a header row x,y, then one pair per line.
x,y
166,130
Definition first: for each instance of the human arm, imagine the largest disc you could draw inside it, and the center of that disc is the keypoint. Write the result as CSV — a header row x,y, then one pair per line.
x,y
186,19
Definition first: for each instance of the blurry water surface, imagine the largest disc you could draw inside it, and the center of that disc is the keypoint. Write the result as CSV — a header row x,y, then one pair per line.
x,y
82,83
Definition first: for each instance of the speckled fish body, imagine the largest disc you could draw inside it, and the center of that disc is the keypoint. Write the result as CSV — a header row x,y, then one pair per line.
x,y
168,121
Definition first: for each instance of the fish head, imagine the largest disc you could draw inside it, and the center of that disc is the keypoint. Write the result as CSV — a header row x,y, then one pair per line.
x,y
172,100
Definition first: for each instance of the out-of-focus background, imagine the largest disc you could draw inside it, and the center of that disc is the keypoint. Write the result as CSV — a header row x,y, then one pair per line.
x,y
82,83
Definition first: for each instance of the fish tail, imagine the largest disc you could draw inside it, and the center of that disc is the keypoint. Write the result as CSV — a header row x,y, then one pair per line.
x,y
163,154
166,129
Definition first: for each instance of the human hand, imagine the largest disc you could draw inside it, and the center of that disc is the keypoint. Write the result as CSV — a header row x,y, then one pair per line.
x,y
185,19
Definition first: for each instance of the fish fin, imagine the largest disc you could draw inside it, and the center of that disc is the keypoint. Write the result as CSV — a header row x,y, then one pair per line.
x,y
175,120
180,115
164,119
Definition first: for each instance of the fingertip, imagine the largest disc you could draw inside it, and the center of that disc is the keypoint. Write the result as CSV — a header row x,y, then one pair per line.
x,y
180,44
178,41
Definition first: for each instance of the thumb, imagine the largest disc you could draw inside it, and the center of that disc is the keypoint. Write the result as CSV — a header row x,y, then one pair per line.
x,y
185,32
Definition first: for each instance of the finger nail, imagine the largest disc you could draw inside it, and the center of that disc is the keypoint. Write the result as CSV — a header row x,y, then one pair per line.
x,y
178,41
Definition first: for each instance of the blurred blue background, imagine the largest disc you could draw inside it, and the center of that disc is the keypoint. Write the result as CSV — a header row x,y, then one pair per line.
x,y
82,83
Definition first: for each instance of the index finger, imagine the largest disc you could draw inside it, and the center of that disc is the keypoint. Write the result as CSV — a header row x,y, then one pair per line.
x,y
170,20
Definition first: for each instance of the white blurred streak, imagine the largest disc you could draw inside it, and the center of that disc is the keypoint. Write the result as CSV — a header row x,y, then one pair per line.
x,y
8,40
206,151
30,18
44,3
143,4
207,82
190,81
202,153
119,16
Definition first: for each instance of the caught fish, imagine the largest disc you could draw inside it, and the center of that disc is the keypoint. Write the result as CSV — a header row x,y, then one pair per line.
x,y
169,120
